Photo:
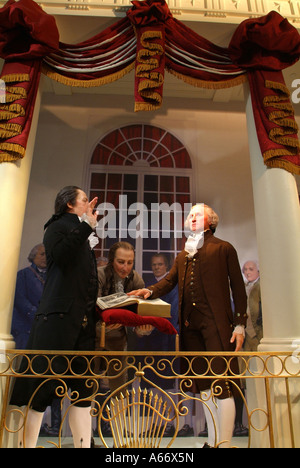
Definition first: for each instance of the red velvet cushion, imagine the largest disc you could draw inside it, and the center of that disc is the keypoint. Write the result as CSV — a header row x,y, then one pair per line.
x,y
130,319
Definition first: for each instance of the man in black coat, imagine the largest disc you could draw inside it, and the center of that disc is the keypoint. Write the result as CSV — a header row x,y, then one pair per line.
x,y
65,319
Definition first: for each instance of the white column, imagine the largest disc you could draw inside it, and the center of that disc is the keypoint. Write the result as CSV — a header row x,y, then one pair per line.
x,y
277,215
14,180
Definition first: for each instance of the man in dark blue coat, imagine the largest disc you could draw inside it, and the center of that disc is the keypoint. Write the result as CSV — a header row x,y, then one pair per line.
x,y
29,288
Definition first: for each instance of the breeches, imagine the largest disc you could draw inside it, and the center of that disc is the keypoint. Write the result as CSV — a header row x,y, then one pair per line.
x,y
201,340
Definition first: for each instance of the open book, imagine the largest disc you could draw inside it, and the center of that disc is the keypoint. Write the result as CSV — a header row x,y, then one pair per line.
x,y
154,307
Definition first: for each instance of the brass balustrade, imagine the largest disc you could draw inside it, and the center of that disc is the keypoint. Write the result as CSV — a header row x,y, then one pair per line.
x,y
139,411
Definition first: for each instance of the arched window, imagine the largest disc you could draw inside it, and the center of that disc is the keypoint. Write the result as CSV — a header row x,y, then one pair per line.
x,y
141,175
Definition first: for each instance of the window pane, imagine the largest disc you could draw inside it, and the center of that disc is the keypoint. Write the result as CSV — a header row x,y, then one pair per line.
x,y
114,182
113,198
98,181
183,184
130,182
166,161
167,184
150,198
151,183
166,198
131,198
150,244
100,155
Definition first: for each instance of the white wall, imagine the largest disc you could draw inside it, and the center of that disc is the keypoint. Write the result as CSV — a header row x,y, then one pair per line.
x,y
215,136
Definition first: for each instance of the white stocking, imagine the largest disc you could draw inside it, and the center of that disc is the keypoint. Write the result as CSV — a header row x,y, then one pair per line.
x,y
81,426
30,433
226,417
211,416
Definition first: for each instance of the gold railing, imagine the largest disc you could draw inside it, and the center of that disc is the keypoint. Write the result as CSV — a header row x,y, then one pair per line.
x,y
139,410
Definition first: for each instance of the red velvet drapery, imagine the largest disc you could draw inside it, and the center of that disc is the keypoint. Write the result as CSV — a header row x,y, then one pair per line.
x,y
27,35
264,47
152,41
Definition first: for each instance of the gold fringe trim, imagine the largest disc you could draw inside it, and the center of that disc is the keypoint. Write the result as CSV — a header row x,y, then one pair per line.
x,y
283,121
152,45
143,55
283,106
210,84
17,91
146,70
150,65
15,77
48,71
11,152
145,106
275,100
282,164
146,84
153,49
152,95
283,118
11,126
277,86
10,130
11,111
277,135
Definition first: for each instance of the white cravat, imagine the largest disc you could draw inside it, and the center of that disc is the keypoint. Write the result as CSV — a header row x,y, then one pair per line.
x,y
194,242
93,240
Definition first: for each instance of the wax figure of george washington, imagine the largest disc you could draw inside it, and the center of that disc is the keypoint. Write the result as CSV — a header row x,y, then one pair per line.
x,y
208,274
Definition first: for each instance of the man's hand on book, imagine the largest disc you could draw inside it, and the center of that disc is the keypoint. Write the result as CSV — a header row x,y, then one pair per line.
x,y
144,293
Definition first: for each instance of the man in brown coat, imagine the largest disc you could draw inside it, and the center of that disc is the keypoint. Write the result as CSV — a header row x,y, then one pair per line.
x,y
208,275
